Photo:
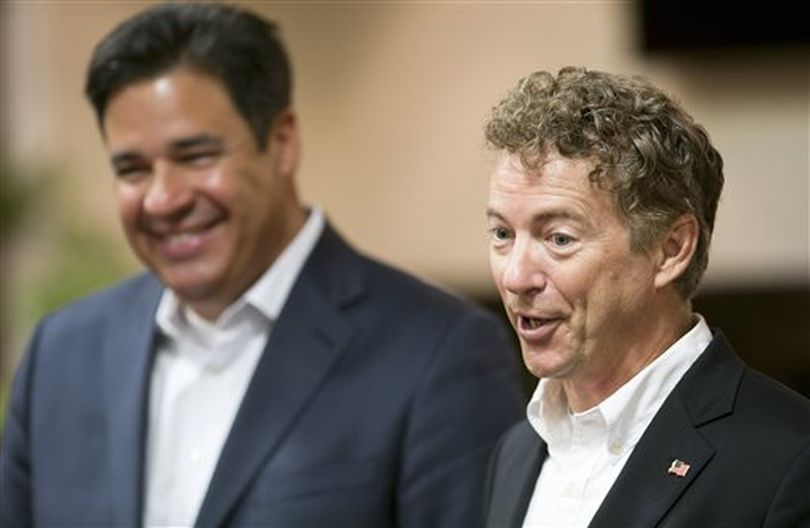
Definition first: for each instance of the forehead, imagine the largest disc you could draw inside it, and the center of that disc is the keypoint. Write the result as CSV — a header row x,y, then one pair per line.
x,y
554,186
551,169
552,175
175,103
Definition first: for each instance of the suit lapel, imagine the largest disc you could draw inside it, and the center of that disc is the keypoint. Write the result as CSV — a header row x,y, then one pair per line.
x,y
645,490
127,353
516,477
306,342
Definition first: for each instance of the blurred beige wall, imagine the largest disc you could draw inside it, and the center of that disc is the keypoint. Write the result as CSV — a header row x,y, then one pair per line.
x,y
392,98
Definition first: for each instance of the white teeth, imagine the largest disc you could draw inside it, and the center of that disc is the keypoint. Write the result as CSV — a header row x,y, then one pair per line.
x,y
180,238
532,323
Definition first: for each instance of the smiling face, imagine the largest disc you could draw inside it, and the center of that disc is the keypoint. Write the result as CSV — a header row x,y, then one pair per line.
x,y
576,294
201,204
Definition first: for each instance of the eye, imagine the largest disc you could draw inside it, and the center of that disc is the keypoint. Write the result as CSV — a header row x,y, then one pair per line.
x,y
499,234
198,159
561,240
130,171
562,244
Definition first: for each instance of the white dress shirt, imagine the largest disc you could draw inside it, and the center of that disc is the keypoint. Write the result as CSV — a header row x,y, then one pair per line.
x,y
587,450
200,374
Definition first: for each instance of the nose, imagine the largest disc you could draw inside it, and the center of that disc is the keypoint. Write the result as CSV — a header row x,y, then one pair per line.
x,y
169,193
523,272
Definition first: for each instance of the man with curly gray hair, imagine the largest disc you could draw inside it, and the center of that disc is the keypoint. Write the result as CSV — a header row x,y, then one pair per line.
x,y
601,210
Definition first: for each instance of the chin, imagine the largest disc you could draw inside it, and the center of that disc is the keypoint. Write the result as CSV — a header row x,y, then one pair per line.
x,y
188,290
546,364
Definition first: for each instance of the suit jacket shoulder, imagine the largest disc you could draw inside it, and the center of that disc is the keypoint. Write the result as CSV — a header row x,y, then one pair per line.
x,y
135,295
76,409
342,270
376,402
746,439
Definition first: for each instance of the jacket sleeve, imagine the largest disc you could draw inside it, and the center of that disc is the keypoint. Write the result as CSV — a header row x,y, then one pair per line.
x,y
15,461
468,396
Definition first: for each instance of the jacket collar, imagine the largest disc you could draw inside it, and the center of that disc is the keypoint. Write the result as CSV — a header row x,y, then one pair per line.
x,y
128,342
310,335
645,489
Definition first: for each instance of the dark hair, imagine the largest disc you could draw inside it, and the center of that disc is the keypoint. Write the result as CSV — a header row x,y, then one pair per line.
x,y
237,47
646,148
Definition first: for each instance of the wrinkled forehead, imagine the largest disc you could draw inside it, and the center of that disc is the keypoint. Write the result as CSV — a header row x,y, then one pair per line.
x,y
535,168
553,183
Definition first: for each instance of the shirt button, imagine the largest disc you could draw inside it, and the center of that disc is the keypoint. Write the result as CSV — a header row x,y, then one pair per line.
x,y
615,448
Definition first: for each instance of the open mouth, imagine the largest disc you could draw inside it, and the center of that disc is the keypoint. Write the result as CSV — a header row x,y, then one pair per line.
x,y
536,329
532,323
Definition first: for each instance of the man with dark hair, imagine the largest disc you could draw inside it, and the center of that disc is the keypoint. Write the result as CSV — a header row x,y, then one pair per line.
x,y
262,373
601,209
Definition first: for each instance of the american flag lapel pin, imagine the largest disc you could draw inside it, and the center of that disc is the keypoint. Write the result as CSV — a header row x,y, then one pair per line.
x,y
679,468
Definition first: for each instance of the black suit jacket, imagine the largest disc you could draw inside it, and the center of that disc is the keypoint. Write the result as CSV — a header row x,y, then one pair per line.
x,y
746,438
376,402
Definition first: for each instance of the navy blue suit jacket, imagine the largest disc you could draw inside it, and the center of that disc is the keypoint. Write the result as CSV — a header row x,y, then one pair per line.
x,y
376,402
745,437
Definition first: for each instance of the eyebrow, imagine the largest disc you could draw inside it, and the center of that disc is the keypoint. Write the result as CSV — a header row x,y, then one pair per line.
x,y
201,140
493,213
545,216
126,156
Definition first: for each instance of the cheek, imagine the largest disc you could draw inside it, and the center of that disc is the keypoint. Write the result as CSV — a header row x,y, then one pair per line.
x,y
613,296
630,278
220,178
242,193
496,265
573,282
129,203
221,185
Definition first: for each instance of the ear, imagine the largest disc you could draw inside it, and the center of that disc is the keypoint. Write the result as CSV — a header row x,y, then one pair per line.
x,y
285,143
676,248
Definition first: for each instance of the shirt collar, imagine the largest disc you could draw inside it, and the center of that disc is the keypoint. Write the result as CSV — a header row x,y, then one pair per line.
x,y
267,295
270,292
628,411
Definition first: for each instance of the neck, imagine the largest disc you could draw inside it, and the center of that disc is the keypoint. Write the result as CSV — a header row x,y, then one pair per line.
x,y
620,361
210,307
